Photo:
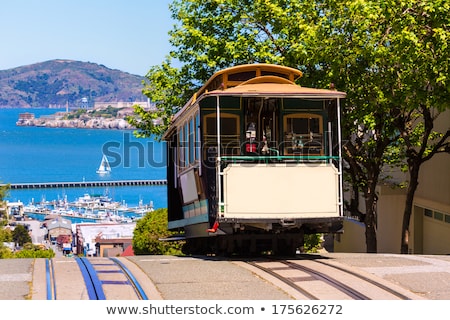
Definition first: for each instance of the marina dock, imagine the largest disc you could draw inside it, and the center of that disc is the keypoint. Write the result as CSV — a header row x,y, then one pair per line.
x,y
81,184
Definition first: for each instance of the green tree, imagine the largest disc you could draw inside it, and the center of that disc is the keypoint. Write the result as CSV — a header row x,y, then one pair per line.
x,y
20,235
32,251
212,35
312,243
5,235
423,34
5,253
167,87
420,144
4,190
390,57
396,52
148,232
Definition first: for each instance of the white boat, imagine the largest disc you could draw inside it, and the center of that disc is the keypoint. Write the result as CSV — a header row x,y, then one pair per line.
x,y
104,166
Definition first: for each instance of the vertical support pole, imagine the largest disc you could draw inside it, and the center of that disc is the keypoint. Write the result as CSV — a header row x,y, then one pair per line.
x,y
341,187
218,159
330,143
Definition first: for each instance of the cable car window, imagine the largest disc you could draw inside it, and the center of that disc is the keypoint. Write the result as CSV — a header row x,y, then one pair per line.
x,y
271,73
181,148
242,76
197,136
298,125
303,124
228,126
211,126
191,140
303,134
229,132
186,144
314,125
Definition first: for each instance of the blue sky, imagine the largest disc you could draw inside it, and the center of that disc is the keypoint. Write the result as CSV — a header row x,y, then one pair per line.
x,y
129,35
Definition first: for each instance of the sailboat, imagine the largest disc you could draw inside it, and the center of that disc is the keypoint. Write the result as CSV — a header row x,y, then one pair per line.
x,y
104,167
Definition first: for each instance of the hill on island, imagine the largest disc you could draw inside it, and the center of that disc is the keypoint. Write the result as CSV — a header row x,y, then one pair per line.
x,y
58,82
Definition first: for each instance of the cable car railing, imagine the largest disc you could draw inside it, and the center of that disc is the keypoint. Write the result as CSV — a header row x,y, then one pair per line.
x,y
277,158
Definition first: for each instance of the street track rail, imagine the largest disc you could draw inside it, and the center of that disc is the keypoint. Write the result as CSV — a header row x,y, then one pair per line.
x,y
103,279
93,283
382,286
318,280
50,276
351,292
289,282
133,281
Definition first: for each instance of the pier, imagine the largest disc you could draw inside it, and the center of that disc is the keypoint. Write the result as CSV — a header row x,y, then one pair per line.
x,y
81,184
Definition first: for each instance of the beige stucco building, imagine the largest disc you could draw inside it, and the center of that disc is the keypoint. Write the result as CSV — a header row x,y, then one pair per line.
x,y
430,220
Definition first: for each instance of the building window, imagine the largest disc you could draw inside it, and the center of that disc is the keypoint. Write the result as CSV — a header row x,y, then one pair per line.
x,y
447,218
439,216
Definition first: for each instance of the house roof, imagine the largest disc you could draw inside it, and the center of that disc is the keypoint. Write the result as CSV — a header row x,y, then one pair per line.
x,y
128,252
59,223
106,232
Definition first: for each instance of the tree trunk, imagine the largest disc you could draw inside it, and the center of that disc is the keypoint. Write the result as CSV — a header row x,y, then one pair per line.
x,y
412,187
370,220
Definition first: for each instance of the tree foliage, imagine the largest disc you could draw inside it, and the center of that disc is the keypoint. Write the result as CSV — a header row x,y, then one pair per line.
x,y
32,251
148,232
312,243
20,235
5,253
5,235
21,238
390,57
29,251
4,190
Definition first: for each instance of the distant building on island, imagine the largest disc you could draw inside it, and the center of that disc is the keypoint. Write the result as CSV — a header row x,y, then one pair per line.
x,y
91,118
125,104
24,117
85,103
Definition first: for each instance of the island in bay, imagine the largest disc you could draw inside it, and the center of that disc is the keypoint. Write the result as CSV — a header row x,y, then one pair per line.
x,y
101,116
92,95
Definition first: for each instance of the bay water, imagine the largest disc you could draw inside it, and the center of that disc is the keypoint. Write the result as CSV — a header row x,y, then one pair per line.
x,y
42,154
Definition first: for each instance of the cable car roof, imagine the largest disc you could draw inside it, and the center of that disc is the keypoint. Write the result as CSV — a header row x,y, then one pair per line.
x,y
258,80
270,86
